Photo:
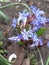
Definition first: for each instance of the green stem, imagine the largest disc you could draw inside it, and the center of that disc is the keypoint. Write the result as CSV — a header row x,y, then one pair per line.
x,y
40,56
47,62
13,4
4,60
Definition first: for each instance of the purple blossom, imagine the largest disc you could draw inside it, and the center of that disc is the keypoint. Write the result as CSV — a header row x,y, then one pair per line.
x,y
36,11
36,23
36,41
40,19
40,41
35,29
30,33
33,8
35,38
14,22
48,20
24,34
14,38
26,13
48,44
23,18
39,13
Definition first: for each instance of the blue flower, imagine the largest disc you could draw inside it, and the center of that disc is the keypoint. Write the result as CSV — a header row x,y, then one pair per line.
x,y
40,19
39,13
43,20
40,41
37,23
14,22
30,33
23,18
48,44
35,38
36,11
26,13
23,15
24,34
14,38
33,8
36,43
35,29
48,20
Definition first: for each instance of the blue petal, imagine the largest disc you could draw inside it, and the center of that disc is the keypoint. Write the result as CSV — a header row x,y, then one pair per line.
x,y
14,21
48,20
34,9
40,41
48,44
24,34
35,29
36,43
35,38
16,38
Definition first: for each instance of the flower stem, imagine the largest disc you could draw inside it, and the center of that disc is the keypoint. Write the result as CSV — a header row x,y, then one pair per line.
x,y
13,4
42,63
47,61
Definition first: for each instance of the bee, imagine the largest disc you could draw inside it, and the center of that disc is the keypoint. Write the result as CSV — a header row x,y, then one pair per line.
x,y
30,2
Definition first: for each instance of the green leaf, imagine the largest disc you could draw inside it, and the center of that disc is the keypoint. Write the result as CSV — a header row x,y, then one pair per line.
x,y
47,62
3,51
1,44
20,43
41,31
5,0
4,15
1,36
4,61
33,60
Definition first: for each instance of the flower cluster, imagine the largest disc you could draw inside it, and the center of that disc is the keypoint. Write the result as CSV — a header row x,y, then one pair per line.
x,y
36,20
